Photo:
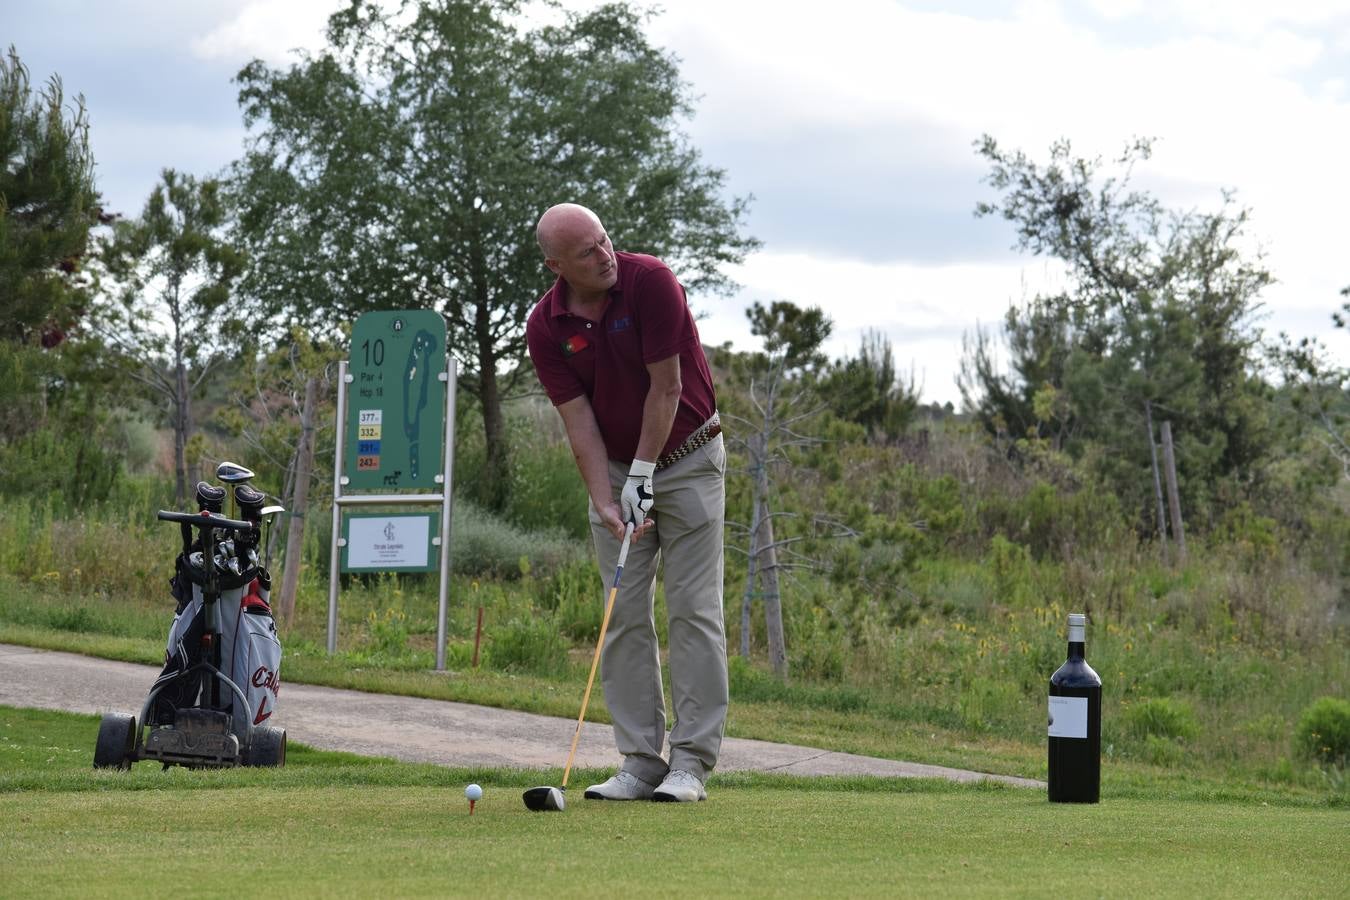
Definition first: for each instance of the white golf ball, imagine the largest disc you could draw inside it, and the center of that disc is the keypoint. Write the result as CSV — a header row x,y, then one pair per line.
x,y
473,792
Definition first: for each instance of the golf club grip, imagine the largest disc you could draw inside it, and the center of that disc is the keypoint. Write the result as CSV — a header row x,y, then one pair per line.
x,y
623,549
595,660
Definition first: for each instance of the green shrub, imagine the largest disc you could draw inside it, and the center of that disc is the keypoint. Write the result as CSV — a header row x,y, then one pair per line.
x,y
1323,731
73,466
388,631
1053,523
529,645
1163,751
544,491
577,599
818,645
1162,717
105,551
483,545
74,618
459,657
1256,538
931,503
1013,572
547,493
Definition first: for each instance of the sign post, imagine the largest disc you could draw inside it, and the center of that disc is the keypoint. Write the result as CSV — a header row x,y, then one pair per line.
x,y
395,414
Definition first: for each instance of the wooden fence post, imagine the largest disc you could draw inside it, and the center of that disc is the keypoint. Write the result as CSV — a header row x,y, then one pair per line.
x,y
1173,496
1157,480
295,525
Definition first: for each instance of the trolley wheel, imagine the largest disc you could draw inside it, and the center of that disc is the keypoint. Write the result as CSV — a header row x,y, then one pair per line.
x,y
116,742
267,747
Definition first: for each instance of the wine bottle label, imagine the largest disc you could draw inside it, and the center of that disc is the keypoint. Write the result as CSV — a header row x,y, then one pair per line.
x,y
1068,717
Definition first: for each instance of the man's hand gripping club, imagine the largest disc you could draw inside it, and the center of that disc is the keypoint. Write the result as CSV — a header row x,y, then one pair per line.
x,y
638,496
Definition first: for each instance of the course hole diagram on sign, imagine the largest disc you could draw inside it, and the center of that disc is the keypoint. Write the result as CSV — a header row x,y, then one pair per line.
x,y
397,400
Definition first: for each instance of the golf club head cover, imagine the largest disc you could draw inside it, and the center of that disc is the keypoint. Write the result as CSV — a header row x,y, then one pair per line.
x,y
209,497
250,501
638,496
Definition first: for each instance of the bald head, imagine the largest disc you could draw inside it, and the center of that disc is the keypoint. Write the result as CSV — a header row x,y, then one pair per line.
x,y
563,225
577,250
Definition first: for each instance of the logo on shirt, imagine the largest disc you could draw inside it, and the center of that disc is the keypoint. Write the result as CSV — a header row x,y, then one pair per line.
x,y
574,345
620,324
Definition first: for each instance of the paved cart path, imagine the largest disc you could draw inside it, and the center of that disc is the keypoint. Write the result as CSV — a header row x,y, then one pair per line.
x,y
416,729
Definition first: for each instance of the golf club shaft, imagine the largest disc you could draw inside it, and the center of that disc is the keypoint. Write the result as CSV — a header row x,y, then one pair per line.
x,y
595,660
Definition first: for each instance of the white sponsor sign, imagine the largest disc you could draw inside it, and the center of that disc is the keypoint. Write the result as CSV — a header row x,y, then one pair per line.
x,y
1068,717
381,542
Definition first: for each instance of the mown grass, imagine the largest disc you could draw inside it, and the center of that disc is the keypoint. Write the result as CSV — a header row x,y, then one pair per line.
x,y
335,825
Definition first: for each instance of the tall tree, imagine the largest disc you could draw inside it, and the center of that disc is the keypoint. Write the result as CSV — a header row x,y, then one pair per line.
x,y
170,272
866,389
1040,337
1319,386
55,436
406,165
1158,316
47,205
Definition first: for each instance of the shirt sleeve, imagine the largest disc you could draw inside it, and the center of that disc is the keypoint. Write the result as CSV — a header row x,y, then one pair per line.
x,y
558,380
666,323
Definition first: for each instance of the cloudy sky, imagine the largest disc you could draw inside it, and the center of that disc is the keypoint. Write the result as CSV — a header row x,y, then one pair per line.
x,y
852,124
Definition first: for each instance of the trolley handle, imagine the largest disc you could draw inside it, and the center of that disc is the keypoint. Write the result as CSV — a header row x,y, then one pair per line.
x,y
205,520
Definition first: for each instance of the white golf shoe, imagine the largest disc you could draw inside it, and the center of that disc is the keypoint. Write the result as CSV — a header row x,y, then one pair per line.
x,y
680,786
623,786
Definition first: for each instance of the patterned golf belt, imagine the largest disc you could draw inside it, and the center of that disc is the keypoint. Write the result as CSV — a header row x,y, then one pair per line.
x,y
702,435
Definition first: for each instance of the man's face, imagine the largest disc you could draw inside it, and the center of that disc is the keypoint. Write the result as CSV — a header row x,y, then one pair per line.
x,y
585,258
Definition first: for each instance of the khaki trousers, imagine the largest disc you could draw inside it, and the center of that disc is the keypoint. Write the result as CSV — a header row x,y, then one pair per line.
x,y
689,510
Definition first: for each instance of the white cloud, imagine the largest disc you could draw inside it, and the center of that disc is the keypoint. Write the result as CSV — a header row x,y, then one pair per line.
x,y
923,310
1248,18
1117,9
267,30
1221,91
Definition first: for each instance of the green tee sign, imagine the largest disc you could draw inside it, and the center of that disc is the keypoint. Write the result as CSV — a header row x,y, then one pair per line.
x,y
396,401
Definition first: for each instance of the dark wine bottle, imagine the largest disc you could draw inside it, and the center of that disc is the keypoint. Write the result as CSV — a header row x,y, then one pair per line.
x,y
1075,728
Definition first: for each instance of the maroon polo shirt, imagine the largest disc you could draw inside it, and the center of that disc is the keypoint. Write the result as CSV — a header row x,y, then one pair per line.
x,y
646,320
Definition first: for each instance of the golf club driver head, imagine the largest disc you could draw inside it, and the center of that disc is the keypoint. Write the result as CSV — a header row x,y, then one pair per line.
x,y
269,516
544,799
233,473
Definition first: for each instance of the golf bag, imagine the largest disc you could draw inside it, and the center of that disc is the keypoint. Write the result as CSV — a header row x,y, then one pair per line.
x,y
250,649
253,658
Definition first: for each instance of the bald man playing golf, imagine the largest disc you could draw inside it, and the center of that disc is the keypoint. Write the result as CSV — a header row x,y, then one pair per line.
x,y
616,350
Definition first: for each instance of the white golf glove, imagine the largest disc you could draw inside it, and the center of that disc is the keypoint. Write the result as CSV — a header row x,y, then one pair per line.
x,y
637,497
